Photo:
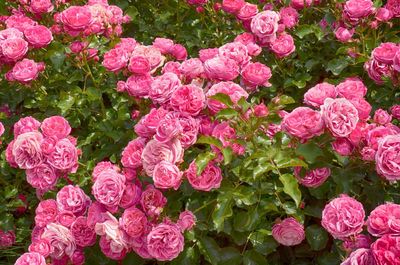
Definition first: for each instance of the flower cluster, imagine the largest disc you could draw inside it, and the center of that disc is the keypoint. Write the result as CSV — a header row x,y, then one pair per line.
x,y
45,150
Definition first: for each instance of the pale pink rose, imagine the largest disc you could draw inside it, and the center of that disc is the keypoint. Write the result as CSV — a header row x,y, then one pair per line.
x,y
132,153
163,44
26,124
155,152
316,95
343,34
382,117
165,242
343,217
256,74
206,54
190,129
387,158
60,239
41,6
64,155
66,218
235,51
234,91
26,150
340,116
147,125
7,238
38,36
131,196
41,246
191,68
186,221
386,250
163,86
383,14
265,24
166,175
361,256
152,201
151,53
343,146
84,235
109,188
111,250
247,12
139,65
382,219
115,59
55,126
209,179
221,68
72,198
312,178
19,21
172,67
356,242
363,107
25,71
354,10
138,85
14,49
179,52
31,258
385,52
42,177
189,99
303,123
95,214
232,6
283,45
289,17
101,166
134,222
168,129
109,230
289,232
46,212
76,17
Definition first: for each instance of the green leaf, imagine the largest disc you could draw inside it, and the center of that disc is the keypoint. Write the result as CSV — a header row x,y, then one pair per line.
x,y
210,249
7,222
244,104
263,242
336,66
317,237
227,153
223,98
10,192
252,257
286,161
291,187
66,102
309,151
227,114
188,257
222,211
209,140
304,30
230,256
202,161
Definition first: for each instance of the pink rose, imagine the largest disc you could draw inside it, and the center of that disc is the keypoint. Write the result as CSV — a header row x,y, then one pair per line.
x,y
256,74
221,68
343,217
131,196
361,256
25,71
138,85
343,34
394,7
387,158
179,52
190,129
385,52
115,59
206,54
163,86
289,17
189,99
378,70
395,111
192,68
368,154
384,219
132,153
7,238
155,152
375,134
232,6
26,124
151,53
163,44
165,242
224,133
303,123
26,150
78,258
55,126
40,246
172,67
383,14
11,33
46,212
358,241
340,116
247,12
19,21
354,10
109,188
283,45
101,166
260,110
265,24
31,258
186,221
152,201
38,36
289,232
209,179
65,218
343,146
72,198
133,222
60,239
95,214
312,178
139,65
111,251
168,129
64,155
83,234
41,6
76,17
42,177
382,117
316,95
300,4
234,91
363,107
166,175
386,250
351,88
14,49
147,125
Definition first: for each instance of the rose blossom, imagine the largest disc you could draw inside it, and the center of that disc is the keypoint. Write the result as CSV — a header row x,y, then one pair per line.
x,y
64,155
265,24
168,129
73,199
151,53
382,117
234,91
186,221
179,52
312,178
385,52
316,95
139,65
394,7
165,242
232,6
289,232
289,17
109,188
46,212
395,111
56,126
356,242
42,177
95,214
210,178
343,217
14,49
343,34
152,201
136,85
378,70
342,146
131,196
31,258
256,74
163,44
384,219
189,99
25,71
235,51
247,12
351,88
40,246
19,21
303,123
190,129
363,107
101,166
66,218
132,153
166,175
115,59
206,54
221,68
163,86
133,222
38,36
147,125
26,124
60,239
361,256
357,9
83,234
7,238
41,6
26,150
283,45
383,14
76,17
387,157
112,250
386,250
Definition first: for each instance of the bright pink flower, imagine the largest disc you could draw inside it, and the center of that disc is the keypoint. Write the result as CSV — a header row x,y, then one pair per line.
x,y
383,14
300,4
95,214
151,53
387,157
46,212
25,71
303,123
112,250
289,232
14,49
234,91
382,117
76,17
55,126
42,177
179,52
386,250
165,242
20,22
163,44
186,221
26,150
115,59
247,12
354,10
221,68
101,166
190,129
41,6
191,68
132,153
66,218
147,125
395,111
394,7
361,256
363,108
385,52
209,179
256,74
316,95
343,34
313,178
232,6
137,85
64,156
72,198
351,88
139,65
265,24
168,129
356,242
38,36
206,54
109,188
384,219
289,17
31,258
378,70
283,45
152,201
342,146
7,238
60,239
163,86
26,124
40,246
189,99
133,222
84,235
166,175
131,196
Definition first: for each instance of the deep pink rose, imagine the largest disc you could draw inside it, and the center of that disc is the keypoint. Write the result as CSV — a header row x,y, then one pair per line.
x,y
132,153
378,70
342,146
232,6
46,212
26,124
383,14
186,221
192,68
111,251
60,239
354,10
340,116
303,123
166,175
190,129
265,24
139,65
152,201
386,250
42,177
395,111
95,214
247,12
72,198
31,258
7,238
384,219
361,256
155,152
55,126
363,107
289,17
289,232
387,157
300,4
189,99
133,222
78,258
38,36
283,45
260,110
83,234
172,67
343,34
109,188
19,21
76,17
209,179
151,53
382,117
235,51
368,154
163,86
375,134
163,44
65,218
221,68
313,178
25,71
168,129
351,88
206,54
394,7
343,217
224,133
385,52
115,59
356,242
26,150
165,242
316,95
64,155
14,49
256,74
138,85
101,166
131,196
179,52
41,6
234,91
40,246
147,125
